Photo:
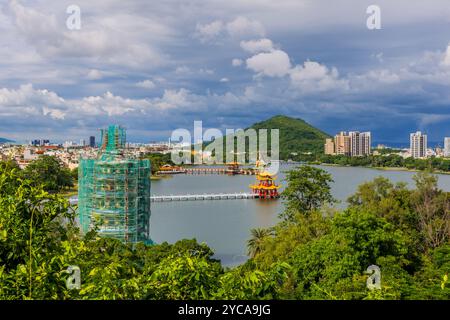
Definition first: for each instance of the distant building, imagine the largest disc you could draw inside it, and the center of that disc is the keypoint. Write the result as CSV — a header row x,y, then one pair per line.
x,y
68,144
29,155
353,144
342,143
329,146
418,145
92,141
447,147
82,142
360,143
41,142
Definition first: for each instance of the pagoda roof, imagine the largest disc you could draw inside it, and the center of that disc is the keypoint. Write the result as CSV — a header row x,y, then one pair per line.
x,y
258,186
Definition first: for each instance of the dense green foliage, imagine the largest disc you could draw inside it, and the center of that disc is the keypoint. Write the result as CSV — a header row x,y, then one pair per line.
x,y
308,189
49,172
39,240
314,253
46,171
405,232
157,160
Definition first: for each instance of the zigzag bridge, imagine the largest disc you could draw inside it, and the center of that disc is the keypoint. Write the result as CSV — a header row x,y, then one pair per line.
x,y
193,197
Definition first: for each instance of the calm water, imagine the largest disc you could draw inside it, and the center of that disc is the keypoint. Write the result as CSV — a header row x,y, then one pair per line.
x,y
225,224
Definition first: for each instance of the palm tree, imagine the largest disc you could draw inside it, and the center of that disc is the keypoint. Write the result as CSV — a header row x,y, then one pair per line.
x,y
255,243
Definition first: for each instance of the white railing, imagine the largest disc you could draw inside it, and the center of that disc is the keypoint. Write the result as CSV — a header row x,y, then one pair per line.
x,y
190,197
205,196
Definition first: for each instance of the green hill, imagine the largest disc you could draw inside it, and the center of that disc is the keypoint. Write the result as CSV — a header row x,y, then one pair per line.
x,y
3,140
296,135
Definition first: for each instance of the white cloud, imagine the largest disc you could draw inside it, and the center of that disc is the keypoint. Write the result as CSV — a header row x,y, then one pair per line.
x,y
98,38
255,46
54,113
382,76
206,71
311,71
272,64
147,84
379,57
26,102
210,30
308,78
108,104
182,70
315,77
242,26
446,60
182,99
431,119
29,101
236,62
159,79
94,74
224,80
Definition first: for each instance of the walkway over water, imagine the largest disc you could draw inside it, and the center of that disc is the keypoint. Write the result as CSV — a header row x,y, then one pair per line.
x,y
191,170
192,197
205,196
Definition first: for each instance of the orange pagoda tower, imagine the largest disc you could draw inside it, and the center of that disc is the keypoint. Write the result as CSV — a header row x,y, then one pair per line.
x,y
265,186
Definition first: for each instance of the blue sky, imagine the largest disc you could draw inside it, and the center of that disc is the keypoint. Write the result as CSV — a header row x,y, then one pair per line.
x,y
154,66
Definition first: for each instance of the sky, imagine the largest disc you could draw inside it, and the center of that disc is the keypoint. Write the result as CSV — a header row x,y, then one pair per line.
x,y
155,66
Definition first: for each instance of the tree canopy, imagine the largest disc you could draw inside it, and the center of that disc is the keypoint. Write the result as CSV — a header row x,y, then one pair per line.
x,y
49,172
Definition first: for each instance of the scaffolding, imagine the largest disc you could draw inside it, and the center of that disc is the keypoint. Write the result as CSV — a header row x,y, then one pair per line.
x,y
114,191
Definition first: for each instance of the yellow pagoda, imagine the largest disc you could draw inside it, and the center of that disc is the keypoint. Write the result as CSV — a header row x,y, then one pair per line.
x,y
265,186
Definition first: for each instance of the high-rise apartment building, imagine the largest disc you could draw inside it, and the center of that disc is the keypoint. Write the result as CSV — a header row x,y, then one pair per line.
x,y
41,142
353,144
342,143
447,147
329,146
92,141
418,145
360,143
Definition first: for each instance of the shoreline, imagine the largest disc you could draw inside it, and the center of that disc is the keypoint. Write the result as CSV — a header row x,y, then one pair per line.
x,y
402,169
160,177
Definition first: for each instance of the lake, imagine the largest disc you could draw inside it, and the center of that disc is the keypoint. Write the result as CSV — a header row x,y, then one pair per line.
x,y
224,225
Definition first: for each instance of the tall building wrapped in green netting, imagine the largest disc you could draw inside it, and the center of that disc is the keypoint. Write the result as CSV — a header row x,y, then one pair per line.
x,y
114,190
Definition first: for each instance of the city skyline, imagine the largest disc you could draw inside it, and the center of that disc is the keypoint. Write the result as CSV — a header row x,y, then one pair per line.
x,y
87,140
229,64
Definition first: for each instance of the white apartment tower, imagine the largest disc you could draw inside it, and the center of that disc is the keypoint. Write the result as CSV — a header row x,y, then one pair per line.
x,y
360,143
447,147
418,144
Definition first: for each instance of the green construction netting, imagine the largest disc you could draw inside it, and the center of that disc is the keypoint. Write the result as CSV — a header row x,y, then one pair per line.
x,y
114,191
